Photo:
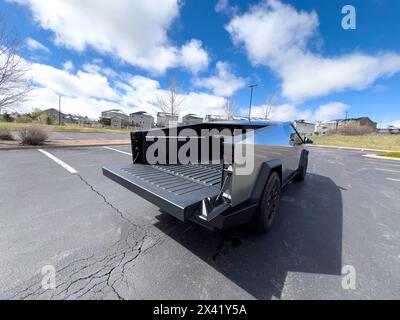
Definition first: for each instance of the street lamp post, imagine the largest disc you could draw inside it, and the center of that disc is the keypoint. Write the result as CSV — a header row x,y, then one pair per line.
x,y
252,86
59,110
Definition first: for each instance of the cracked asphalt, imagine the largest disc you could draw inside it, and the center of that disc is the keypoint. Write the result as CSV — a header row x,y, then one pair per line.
x,y
107,243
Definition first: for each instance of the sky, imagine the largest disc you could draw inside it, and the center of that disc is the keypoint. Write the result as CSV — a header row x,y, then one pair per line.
x,y
100,55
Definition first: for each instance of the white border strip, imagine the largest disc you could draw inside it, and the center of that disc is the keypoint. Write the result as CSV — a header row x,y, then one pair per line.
x,y
116,150
58,161
391,179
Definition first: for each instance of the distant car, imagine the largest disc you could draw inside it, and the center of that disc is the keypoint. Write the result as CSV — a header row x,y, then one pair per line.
x,y
215,194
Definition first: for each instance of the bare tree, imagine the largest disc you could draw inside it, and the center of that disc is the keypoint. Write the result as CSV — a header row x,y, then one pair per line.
x,y
267,111
171,102
14,84
229,109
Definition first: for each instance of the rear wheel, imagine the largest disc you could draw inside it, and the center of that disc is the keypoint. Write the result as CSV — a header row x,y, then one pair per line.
x,y
266,212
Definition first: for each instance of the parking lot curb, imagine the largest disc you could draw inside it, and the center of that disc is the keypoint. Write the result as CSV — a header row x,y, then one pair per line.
x,y
351,148
374,156
89,145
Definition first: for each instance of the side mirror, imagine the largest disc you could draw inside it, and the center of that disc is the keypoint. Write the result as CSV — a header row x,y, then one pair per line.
x,y
308,141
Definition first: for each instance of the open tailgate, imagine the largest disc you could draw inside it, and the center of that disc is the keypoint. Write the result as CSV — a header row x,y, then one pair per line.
x,y
176,189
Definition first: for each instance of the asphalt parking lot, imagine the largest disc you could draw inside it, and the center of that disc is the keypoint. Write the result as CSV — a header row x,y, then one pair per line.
x,y
107,243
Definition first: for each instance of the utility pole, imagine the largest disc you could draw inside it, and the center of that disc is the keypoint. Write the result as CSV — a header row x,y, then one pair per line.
x,y
252,86
59,110
347,114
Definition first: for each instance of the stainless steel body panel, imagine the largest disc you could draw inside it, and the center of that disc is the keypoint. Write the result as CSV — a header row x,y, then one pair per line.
x,y
269,143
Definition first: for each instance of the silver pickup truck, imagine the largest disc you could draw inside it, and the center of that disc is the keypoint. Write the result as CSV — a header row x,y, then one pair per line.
x,y
181,171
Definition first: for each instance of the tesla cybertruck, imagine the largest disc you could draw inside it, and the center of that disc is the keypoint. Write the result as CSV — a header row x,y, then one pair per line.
x,y
180,170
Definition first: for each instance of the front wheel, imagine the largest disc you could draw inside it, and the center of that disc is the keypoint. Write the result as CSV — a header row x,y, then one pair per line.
x,y
266,212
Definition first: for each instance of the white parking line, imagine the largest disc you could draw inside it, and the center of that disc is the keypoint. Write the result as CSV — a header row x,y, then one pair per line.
x,y
387,170
127,153
391,179
58,161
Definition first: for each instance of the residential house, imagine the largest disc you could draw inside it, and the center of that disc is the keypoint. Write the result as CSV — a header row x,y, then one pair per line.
x,y
77,119
327,126
114,118
165,119
214,118
389,130
141,120
330,126
360,122
305,128
191,119
54,114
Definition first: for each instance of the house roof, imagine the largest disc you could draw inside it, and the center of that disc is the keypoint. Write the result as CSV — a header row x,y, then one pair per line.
x,y
353,119
167,114
115,110
144,113
192,115
305,122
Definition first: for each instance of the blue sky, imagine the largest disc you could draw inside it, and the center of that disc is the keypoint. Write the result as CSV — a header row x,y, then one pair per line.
x,y
101,54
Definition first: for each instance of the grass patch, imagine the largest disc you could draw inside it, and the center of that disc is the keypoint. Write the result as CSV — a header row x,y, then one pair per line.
x,y
377,142
66,128
389,154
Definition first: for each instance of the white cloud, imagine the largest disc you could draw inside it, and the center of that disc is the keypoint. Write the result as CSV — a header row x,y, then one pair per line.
x,y
45,98
396,124
278,36
331,111
62,82
313,76
91,68
89,93
68,66
291,112
194,57
223,6
224,83
133,31
285,112
142,92
34,45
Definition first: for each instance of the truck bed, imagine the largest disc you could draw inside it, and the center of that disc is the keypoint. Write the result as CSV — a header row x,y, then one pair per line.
x,y
176,189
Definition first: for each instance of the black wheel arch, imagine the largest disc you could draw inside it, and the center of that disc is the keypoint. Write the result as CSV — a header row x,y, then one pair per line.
x,y
266,169
303,158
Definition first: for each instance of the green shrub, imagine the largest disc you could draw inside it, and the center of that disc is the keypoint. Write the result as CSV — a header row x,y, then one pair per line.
x,y
49,121
7,118
23,119
36,113
33,136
